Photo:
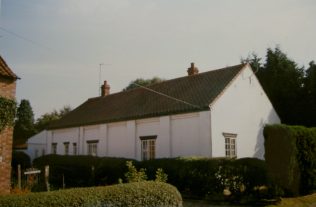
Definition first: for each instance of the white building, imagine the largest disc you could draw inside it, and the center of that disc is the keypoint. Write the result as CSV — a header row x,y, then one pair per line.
x,y
37,145
212,114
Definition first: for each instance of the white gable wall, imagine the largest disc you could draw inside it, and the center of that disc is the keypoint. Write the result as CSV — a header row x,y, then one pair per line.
x,y
36,145
242,109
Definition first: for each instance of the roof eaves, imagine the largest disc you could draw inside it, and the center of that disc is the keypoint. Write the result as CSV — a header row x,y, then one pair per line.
x,y
63,126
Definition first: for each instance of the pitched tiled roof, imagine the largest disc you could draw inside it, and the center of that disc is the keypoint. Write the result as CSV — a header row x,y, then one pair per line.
x,y
5,71
199,90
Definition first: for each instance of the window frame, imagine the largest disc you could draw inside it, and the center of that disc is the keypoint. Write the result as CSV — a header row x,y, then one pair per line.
x,y
66,148
92,147
230,145
74,148
54,148
148,147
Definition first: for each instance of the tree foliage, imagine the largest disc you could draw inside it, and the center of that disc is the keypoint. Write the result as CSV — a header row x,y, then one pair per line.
x,y
7,112
44,121
24,123
290,88
143,82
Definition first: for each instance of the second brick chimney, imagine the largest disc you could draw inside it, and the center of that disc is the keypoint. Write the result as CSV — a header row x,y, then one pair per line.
x,y
105,89
192,70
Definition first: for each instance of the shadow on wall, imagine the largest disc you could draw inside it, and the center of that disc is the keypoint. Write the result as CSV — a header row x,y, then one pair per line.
x,y
259,148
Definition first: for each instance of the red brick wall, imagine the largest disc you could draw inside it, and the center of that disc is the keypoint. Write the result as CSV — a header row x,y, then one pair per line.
x,y
7,89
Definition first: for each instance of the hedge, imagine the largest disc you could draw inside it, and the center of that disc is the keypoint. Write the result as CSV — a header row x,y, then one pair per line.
x,y
290,153
207,177
93,170
132,194
194,177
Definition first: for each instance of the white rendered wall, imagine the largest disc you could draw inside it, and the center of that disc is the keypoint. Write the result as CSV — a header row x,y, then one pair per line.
x,y
191,134
179,135
118,143
242,109
61,136
37,143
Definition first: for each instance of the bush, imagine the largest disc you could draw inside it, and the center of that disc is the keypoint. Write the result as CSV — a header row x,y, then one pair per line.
x,y
291,157
20,158
138,194
194,177
93,170
209,177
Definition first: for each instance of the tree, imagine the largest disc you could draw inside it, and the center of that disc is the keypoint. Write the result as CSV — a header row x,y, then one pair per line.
x,y
44,121
310,94
288,87
282,80
24,124
143,82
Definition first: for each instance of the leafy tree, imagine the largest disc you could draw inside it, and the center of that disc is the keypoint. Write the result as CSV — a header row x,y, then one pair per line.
x,y
310,94
291,89
143,82
282,80
24,124
44,121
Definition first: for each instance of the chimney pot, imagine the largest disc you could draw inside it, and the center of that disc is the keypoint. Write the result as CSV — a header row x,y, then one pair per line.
x,y
192,70
105,89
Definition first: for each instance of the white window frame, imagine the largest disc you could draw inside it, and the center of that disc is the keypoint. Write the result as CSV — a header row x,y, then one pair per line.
x,y
54,148
92,147
148,147
230,145
66,148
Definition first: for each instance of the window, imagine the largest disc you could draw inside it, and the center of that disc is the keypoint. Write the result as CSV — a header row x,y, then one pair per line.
x,y
74,148
230,145
66,145
93,147
148,147
54,148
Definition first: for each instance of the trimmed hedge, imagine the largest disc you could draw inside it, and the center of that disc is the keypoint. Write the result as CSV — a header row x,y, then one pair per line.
x,y
132,194
291,158
194,177
93,170
205,177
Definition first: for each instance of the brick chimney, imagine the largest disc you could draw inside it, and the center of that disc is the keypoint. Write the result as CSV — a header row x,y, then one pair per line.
x,y
105,89
192,70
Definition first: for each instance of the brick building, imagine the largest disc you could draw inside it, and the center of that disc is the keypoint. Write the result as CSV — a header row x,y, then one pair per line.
x,y
7,90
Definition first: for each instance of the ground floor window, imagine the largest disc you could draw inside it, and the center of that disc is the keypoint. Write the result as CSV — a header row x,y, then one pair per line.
x,y
54,148
92,147
74,148
230,145
148,147
66,145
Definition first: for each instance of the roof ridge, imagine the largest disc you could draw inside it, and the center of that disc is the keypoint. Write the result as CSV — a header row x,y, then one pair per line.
x,y
199,89
173,79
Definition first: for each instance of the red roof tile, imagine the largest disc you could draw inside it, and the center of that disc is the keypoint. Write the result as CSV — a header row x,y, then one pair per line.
x,y
198,90
5,71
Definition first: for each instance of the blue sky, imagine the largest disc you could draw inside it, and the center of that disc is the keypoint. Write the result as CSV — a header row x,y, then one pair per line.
x,y
56,46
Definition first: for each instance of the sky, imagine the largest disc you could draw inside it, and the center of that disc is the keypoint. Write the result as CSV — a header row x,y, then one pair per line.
x,y
59,47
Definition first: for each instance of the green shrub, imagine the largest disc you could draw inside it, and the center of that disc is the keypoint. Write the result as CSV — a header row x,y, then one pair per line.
x,y
209,177
161,176
291,158
20,158
93,170
133,175
132,194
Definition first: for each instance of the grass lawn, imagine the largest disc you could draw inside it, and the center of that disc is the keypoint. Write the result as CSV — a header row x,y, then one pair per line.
x,y
305,201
